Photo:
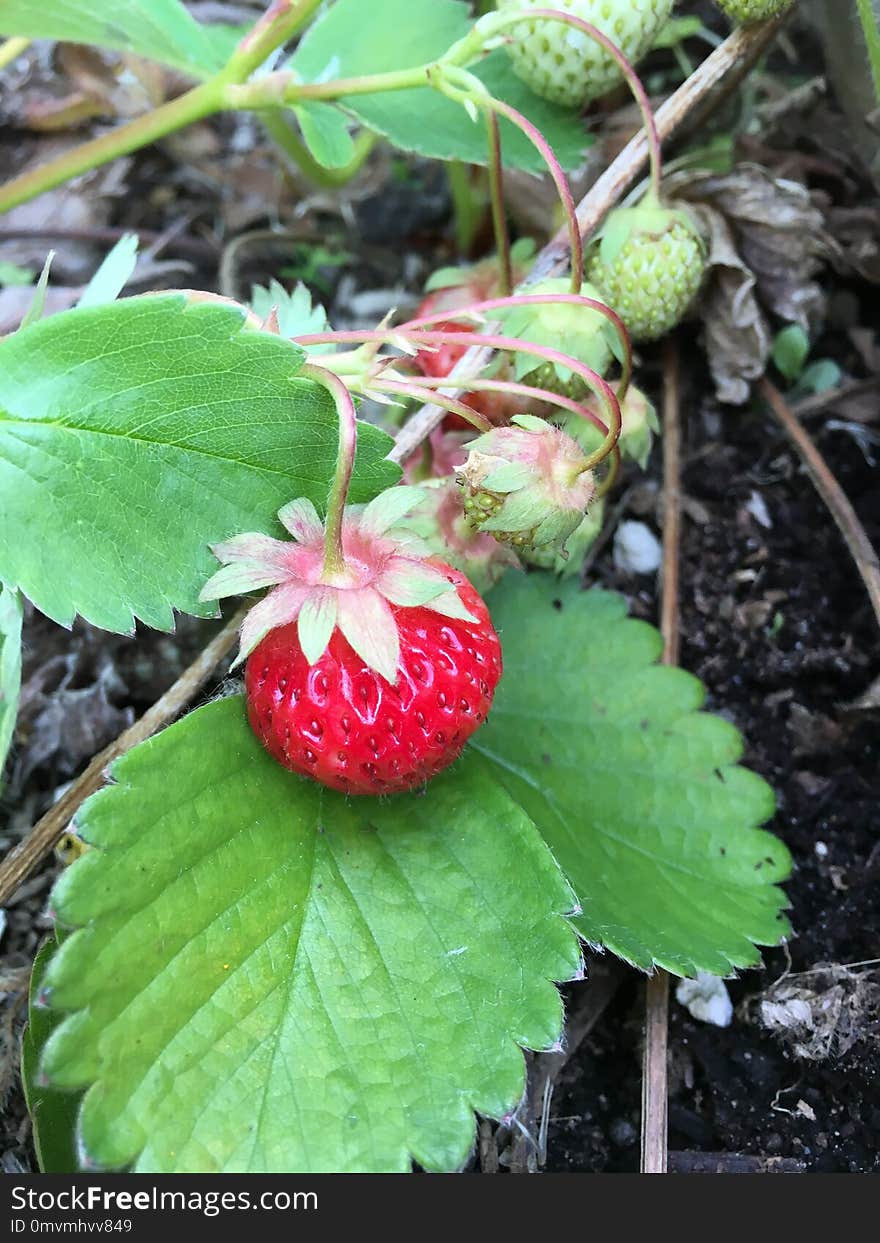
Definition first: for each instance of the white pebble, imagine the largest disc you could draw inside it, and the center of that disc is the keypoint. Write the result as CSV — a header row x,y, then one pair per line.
x,y
706,998
636,549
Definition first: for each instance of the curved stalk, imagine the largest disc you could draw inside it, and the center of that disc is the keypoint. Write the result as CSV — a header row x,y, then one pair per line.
x,y
496,195
634,82
422,392
334,559
600,388
495,304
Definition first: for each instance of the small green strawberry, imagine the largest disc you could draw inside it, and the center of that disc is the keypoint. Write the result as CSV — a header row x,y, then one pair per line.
x,y
578,331
747,11
563,64
528,485
648,263
570,562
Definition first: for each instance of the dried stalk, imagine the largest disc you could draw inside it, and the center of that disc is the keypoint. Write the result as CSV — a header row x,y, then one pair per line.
x,y
654,1066
845,517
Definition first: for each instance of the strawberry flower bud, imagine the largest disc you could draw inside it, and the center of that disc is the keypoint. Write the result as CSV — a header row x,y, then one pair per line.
x,y
528,485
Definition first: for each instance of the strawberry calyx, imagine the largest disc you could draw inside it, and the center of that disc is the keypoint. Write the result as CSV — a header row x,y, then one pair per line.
x,y
382,566
528,484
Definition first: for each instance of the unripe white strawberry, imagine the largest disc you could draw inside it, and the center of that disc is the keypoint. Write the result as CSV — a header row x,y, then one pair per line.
x,y
747,11
648,264
563,64
528,484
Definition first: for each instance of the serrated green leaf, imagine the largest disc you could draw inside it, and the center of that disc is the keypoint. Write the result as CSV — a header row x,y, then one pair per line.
x,y
638,794
297,314
10,667
325,130
159,29
275,978
401,34
53,1113
133,434
113,274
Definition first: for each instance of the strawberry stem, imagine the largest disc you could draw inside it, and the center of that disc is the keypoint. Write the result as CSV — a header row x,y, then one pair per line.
x,y
496,195
334,558
422,390
501,20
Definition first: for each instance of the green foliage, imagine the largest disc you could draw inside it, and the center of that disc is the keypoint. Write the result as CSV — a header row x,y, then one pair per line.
x,y
113,274
158,29
272,977
297,314
400,34
53,1112
10,666
133,434
791,349
637,793
325,130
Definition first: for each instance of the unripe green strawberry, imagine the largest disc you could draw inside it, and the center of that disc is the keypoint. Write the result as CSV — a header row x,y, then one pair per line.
x,y
565,65
570,328
648,263
747,11
570,561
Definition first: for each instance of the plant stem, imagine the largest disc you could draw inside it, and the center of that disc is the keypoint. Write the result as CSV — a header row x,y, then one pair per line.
x,y
474,309
291,145
419,390
467,205
281,20
872,40
11,49
334,558
499,214
632,78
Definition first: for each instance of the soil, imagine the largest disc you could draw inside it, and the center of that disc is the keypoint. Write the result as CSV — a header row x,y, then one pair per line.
x,y
776,623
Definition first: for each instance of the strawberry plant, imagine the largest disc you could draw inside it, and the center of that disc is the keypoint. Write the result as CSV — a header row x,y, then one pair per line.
x,y
319,918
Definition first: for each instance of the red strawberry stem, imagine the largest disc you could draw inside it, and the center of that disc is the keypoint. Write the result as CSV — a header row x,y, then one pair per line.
x,y
334,559
467,89
496,196
600,388
500,20
496,304
422,390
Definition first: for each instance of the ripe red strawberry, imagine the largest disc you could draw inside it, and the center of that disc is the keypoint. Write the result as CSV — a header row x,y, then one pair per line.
x,y
368,678
342,723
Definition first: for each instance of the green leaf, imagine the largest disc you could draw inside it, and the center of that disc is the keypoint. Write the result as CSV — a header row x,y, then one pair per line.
x,y
325,132
297,314
10,667
401,34
53,1113
133,434
790,351
638,794
158,29
38,301
10,275
270,977
113,274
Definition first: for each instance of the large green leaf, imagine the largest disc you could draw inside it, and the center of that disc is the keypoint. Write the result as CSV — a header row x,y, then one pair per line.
x,y
10,666
158,29
637,793
53,1112
132,434
272,977
401,34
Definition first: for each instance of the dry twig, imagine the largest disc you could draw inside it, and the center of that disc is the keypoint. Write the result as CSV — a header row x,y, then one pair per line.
x,y
654,1089
44,836
832,494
